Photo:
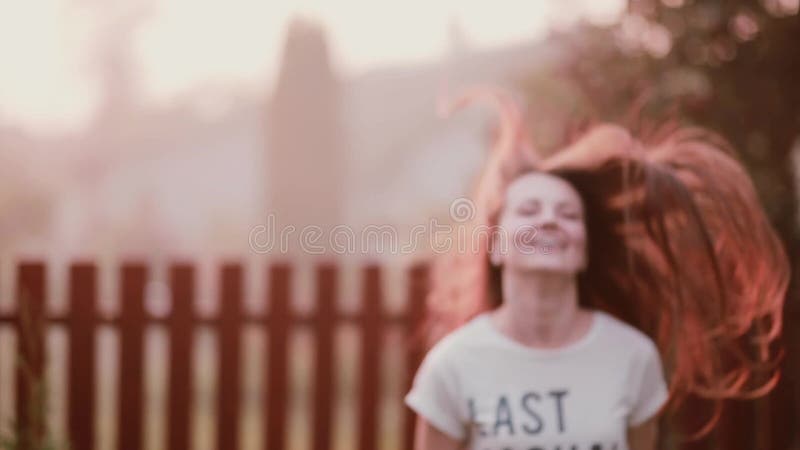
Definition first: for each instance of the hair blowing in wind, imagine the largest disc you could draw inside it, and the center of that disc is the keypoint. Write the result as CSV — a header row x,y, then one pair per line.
x,y
678,246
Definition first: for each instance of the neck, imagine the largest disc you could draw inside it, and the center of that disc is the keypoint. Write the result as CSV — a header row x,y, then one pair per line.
x,y
540,308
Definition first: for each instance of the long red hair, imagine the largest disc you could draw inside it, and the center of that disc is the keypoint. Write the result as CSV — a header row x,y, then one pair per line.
x,y
678,246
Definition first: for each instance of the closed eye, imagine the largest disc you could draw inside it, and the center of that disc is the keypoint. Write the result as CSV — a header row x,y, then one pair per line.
x,y
527,211
528,208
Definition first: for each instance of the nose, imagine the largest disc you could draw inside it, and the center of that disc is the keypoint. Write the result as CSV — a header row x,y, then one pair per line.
x,y
547,220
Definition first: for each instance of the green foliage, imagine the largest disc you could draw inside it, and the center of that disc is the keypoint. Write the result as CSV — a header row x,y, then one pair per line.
x,y
32,433
731,66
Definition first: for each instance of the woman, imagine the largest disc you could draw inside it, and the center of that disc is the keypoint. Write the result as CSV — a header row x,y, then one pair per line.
x,y
595,271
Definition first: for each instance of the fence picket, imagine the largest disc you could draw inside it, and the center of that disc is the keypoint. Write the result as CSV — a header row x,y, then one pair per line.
x,y
277,371
181,279
371,334
324,326
81,381
31,293
131,383
229,385
415,307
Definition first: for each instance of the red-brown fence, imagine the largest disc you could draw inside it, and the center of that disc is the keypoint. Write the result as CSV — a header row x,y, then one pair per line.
x,y
83,319
745,425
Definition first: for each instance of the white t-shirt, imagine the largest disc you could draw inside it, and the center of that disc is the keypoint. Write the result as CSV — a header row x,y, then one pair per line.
x,y
480,384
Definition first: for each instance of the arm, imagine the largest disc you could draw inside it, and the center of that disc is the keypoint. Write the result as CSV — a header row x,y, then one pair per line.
x,y
644,436
428,437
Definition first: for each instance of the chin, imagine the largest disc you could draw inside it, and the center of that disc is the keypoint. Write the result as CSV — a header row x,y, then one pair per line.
x,y
550,263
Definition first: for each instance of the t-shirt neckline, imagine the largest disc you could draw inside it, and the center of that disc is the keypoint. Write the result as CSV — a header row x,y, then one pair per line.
x,y
583,341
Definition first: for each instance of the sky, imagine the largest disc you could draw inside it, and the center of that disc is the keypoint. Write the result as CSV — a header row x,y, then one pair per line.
x,y
49,48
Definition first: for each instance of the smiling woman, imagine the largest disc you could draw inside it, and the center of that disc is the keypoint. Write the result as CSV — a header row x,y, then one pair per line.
x,y
551,207
658,256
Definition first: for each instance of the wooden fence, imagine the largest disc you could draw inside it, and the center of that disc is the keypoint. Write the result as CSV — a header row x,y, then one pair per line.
x,y
83,319
765,424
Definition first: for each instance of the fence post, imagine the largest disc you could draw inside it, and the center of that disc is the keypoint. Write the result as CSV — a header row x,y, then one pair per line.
x,y
324,328
371,335
229,392
276,382
130,389
181,280
81,378
30,338
415,313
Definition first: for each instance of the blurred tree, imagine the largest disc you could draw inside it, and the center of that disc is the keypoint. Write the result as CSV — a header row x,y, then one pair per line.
x,y
729,65
746,51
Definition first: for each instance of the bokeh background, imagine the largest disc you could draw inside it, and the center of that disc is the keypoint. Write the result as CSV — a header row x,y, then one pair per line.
x,y
159,131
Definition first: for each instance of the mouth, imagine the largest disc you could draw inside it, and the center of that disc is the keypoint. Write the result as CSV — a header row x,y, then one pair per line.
x,y
551,244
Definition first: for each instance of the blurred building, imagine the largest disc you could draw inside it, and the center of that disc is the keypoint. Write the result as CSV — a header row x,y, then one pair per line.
x,y
195,176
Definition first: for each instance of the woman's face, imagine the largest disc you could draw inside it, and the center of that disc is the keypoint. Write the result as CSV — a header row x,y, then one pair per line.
x,y
543,225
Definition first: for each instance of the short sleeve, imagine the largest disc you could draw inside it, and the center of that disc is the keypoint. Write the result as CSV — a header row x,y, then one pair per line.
x,y
433,395
650,387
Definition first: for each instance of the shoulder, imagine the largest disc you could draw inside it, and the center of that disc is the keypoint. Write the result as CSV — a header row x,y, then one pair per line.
x,y
456,342
626,335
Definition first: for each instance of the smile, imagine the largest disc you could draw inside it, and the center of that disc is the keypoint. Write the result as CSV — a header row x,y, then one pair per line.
x,y
554,244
